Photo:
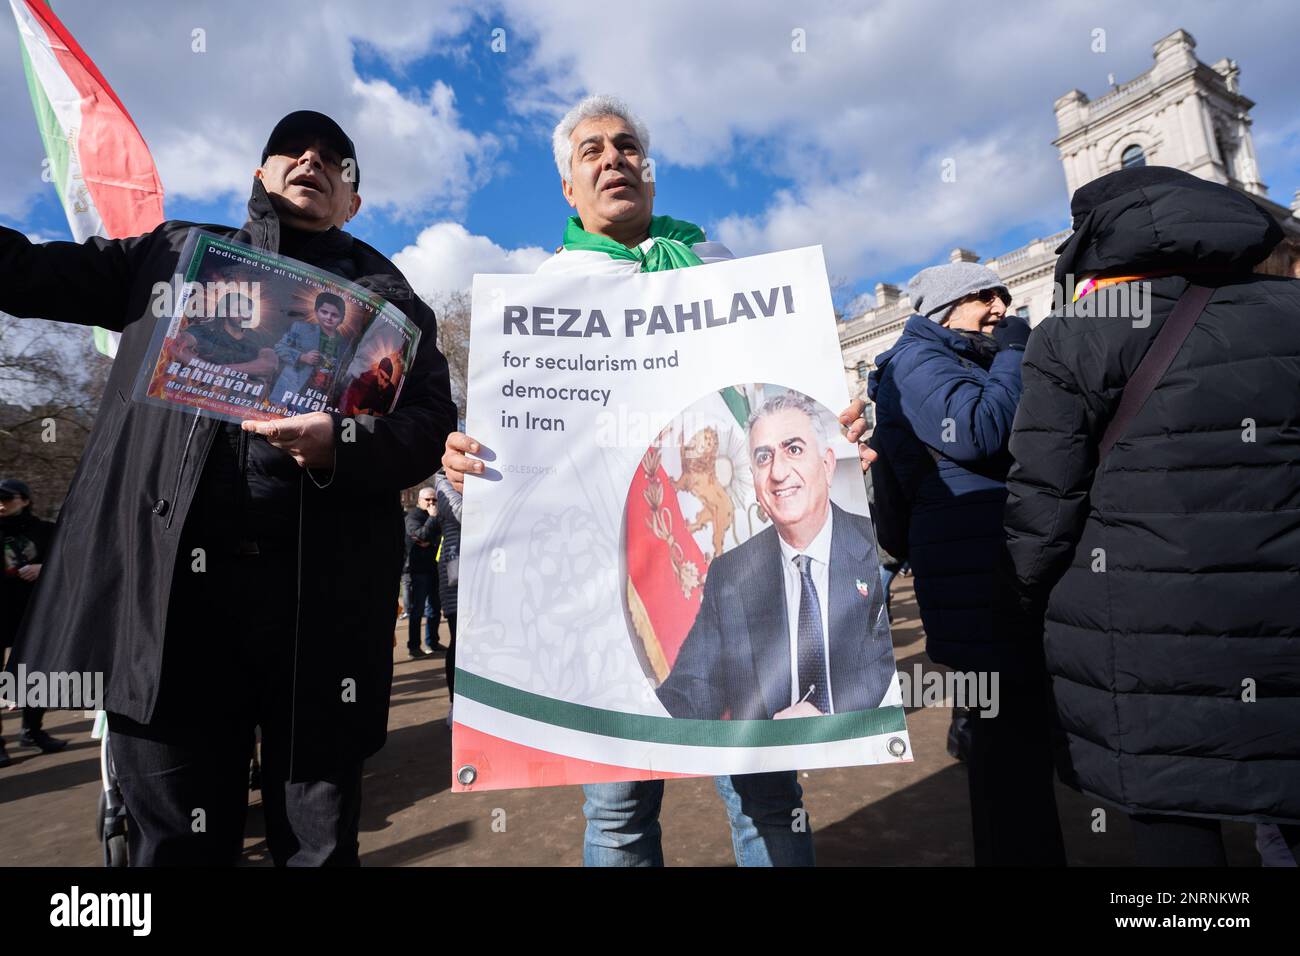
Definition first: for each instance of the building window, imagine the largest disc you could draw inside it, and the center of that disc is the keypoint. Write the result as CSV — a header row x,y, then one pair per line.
x,y
1023,312
1132,156
862,371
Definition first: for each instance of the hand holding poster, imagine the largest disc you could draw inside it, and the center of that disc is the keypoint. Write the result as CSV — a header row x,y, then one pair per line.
x,y
251,335
666,572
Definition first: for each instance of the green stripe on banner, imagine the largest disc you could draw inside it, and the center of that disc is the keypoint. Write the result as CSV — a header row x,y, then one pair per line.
x,y
677,730
52,134
737,402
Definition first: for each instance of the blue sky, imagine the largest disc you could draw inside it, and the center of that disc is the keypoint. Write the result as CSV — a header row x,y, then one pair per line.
x,y
766,146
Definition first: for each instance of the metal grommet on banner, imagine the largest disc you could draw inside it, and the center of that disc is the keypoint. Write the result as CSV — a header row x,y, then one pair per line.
x,y
897,746
466,775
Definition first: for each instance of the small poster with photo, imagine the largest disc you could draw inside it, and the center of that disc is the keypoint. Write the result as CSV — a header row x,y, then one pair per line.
x,y
247,334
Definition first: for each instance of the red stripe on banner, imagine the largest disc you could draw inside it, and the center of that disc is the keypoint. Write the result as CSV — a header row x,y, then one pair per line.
x,y
115,161
504,765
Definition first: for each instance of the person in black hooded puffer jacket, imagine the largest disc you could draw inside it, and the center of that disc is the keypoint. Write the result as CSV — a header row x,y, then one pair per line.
x,y
1168,572
946,397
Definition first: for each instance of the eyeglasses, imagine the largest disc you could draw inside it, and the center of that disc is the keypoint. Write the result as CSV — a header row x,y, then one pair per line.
x,y
988,295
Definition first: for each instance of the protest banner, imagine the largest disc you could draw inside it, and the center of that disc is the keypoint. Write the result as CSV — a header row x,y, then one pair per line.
x,y
665,573
246,334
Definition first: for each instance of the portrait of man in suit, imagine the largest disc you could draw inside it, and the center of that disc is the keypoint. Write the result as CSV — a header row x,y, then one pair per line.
x,y
785,623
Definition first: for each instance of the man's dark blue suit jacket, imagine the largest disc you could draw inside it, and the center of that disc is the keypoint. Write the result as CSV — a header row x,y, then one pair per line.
x,y
736,659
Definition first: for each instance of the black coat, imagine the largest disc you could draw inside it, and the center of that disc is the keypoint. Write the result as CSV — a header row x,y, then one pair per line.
x,y
24,539
107,580
423,532
1170,574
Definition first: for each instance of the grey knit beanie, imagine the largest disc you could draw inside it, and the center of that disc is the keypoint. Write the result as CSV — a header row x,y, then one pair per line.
x,y
937,288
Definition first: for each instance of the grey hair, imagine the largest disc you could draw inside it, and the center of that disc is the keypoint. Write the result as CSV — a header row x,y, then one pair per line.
x,y
790,400
598,104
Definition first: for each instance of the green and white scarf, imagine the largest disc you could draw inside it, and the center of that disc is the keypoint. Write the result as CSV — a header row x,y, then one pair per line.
x,y
671,248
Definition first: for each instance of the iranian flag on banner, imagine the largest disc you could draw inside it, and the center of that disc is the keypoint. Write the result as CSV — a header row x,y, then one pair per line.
x,y
98,160
666,568
666,564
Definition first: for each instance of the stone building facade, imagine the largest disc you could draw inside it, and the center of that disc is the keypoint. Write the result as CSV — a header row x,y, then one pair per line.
x,y
1179,113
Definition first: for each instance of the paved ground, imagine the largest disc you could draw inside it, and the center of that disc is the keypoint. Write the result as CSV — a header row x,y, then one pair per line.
x,y
914,814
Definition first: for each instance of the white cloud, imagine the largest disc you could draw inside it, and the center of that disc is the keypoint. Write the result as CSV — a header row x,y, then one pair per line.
x,y
206,115
428,160
445,257
859,304
874,222
858,123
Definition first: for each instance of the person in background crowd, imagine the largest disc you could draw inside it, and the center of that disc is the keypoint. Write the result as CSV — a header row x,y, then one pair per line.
x,y
1164,558
946,395
24,541
448,504
423,533
890,565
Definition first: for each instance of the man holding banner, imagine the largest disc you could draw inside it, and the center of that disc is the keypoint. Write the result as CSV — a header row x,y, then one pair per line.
x,y
600,151
208,569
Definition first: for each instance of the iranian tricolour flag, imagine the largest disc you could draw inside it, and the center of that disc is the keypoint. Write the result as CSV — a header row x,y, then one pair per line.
x,y
98,160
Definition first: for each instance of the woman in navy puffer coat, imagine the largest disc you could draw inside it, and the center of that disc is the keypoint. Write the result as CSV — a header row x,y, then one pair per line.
x,y
946,396
945,400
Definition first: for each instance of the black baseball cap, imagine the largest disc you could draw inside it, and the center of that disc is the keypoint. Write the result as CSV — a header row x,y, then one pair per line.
x,y
310,123
12,486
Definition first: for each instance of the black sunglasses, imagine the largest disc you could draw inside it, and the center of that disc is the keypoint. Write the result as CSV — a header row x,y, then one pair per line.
x,y
988,295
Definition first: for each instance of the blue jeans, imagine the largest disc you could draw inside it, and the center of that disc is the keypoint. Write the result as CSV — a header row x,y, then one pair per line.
x,y
887,576
768,824
423,587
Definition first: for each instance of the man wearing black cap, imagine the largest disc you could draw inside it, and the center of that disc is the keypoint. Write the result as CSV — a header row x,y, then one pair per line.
x,y
206,568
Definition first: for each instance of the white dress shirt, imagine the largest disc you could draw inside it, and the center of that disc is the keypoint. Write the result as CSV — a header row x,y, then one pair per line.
x,y
819,549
